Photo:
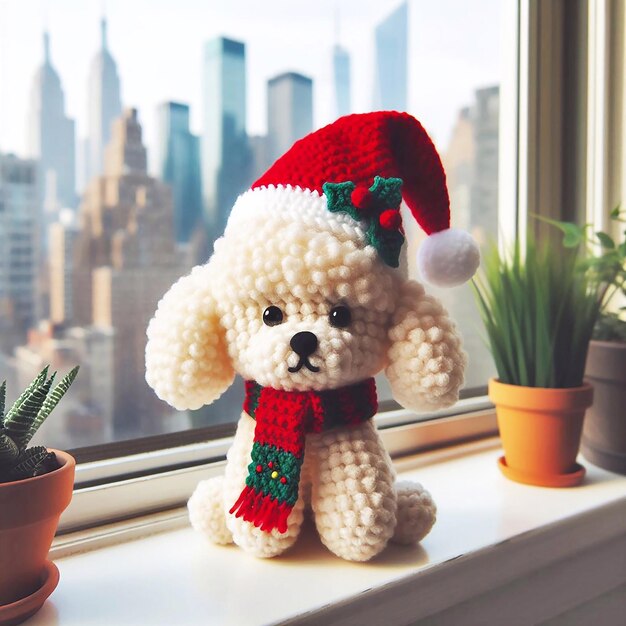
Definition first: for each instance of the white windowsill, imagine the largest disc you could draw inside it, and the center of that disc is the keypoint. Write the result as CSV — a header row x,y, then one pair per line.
x,y
490,533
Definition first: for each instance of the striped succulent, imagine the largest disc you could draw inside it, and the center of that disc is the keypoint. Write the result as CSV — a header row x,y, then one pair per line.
x,y
21,422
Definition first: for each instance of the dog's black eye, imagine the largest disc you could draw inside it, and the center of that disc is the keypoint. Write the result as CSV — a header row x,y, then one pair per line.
x,y
340,316
272,316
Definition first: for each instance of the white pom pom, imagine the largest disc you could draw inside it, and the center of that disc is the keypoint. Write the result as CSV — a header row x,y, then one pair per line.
x,y
448,258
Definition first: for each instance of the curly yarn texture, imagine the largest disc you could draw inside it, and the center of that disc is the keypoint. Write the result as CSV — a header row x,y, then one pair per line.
x,y
357,506
282,249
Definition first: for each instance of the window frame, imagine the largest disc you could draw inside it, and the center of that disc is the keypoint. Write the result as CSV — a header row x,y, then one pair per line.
x,y
116,489
155,443
538,39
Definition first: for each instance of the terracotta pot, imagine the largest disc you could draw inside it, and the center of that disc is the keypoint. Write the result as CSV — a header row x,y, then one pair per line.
x,y
29,514
540,431
604,432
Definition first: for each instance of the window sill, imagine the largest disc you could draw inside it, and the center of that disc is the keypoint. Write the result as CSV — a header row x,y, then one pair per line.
x,y
492,536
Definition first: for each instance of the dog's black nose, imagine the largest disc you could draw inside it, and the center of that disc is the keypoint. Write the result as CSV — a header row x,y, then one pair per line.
x,y
303,344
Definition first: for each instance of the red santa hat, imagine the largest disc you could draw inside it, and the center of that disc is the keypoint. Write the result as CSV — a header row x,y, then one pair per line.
x,y
361,167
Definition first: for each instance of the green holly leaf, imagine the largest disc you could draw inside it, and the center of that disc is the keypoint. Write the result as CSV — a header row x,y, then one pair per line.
x,y
339,198
388,192
388,243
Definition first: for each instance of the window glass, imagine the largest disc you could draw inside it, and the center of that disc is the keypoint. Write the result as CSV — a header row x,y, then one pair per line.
x,y
126,137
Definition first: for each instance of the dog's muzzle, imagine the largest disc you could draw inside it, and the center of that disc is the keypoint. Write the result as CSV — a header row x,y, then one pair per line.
x,y
304,344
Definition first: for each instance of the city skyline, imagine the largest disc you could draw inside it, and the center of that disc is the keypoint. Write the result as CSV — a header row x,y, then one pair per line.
x,y
470,62
134,233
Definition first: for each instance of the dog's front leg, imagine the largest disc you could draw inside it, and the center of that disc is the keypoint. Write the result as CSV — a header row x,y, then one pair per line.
x,y
247,536
353,496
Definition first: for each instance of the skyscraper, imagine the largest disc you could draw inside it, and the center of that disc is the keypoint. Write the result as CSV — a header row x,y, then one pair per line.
x,y
19,215
51,142
259,155
178,164
390,82
289,111
125,260
341,80
485,115
104,105
471,164
458,162
226,156
62,234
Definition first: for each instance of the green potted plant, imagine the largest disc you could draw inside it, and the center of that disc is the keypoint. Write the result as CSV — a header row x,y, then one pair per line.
x,y
539,313
35,488
604,430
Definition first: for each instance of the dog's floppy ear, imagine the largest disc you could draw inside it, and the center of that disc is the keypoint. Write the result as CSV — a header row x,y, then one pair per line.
x,y
187,363
425,360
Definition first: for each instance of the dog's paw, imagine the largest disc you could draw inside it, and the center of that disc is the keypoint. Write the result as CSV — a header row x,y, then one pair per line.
x,y
263,544
416,513
206,511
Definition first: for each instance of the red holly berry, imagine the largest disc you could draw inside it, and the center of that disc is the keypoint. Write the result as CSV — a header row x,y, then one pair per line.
x,y
362,198
390,219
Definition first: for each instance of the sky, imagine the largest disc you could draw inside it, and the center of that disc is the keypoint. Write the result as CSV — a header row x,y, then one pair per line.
x,y
455,47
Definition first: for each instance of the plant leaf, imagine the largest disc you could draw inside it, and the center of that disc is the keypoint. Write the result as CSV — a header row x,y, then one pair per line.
x,y
9,451
18,423
573,237
606,241
52,400
3,396
29,463
573,234
26,393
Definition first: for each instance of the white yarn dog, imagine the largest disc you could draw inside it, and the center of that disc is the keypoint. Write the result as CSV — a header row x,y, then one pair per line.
x,y
288,267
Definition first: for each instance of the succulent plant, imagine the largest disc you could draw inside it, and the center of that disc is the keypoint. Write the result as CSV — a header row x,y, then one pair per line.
x,y
21,422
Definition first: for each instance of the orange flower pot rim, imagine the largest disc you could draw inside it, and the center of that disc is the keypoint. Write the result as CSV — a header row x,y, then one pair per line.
x,y
540,398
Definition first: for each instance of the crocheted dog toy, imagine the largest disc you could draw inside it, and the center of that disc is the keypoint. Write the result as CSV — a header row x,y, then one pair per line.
x,y
304,298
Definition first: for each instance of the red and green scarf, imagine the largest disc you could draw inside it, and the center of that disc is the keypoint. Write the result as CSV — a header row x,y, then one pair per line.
x,y
283,418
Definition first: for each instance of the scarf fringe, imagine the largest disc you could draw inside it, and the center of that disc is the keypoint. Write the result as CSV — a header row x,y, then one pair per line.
x,y
262,510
